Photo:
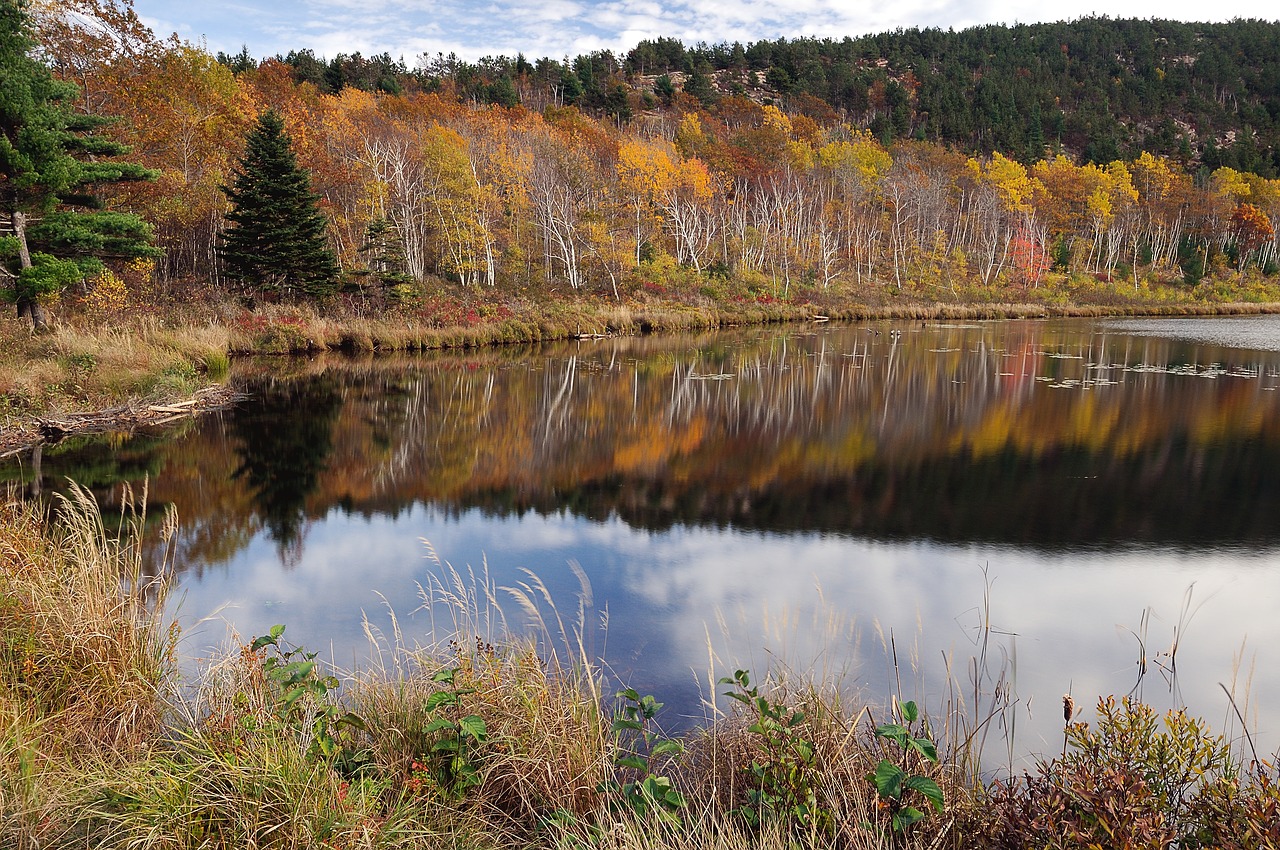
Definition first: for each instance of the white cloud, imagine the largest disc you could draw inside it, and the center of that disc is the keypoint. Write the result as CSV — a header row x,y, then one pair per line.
x,y
560,27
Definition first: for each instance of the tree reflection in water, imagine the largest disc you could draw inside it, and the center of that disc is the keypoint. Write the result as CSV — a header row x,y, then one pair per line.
x,y
1096,470
284,437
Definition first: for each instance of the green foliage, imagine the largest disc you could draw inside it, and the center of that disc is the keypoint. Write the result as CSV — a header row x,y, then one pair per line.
x,y
893,778
785,781
45,276
383,251
647,793
452,761
275,239
303,697
51,161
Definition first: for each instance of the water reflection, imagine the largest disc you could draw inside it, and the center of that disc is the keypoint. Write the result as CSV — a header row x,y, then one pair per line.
x,y
794,493
283,441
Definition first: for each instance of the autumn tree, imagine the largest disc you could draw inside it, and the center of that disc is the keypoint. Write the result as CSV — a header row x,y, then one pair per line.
x,y
51,161
1251,229
275,241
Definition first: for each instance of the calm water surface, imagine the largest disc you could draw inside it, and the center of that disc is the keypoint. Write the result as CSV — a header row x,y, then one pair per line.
x,y
1066,501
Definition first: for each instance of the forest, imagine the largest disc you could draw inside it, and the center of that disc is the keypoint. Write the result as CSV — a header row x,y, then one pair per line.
x,y
993,163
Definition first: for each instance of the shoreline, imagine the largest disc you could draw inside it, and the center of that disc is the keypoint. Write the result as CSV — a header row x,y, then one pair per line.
x,y
40,431
387,338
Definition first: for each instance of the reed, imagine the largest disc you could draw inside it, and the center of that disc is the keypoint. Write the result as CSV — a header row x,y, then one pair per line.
x,y
493,735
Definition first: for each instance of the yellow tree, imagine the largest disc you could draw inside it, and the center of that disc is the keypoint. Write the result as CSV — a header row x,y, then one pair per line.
x,y
645,171
1164,193
1062,200
1011,216
687,202
855,166
459,204
185,116
1112,210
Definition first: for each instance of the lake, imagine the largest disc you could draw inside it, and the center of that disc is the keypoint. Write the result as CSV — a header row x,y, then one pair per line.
x,y
1013,510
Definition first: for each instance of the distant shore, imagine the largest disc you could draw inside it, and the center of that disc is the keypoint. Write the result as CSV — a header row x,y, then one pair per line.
x,y
82,379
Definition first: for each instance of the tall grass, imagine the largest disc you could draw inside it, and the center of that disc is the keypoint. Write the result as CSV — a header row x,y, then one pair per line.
x,y
491,736
85,659
73,369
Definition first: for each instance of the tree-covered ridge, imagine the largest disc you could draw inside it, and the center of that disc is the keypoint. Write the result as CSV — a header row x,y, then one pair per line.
x,y
1096,88
622,178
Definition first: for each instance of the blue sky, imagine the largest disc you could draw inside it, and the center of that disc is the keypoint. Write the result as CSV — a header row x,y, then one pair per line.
x,y
408,28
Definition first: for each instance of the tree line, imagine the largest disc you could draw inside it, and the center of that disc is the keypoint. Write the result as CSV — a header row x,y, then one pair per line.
x,y
1096,88
744,195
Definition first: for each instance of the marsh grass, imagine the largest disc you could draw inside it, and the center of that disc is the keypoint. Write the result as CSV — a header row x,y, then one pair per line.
x,y
73,369
85,659
103,745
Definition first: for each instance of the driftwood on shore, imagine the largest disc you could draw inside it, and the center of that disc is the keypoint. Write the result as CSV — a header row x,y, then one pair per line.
x,y
41,431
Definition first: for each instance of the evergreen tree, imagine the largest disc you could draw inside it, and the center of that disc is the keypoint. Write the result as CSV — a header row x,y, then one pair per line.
x,y
50,161
275,242
383,250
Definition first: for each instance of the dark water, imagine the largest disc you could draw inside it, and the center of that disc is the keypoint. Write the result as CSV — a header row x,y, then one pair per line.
x,y
1060,499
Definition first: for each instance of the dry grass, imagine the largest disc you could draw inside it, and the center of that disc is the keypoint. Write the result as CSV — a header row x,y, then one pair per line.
x,y
101,746
72,369
83,648
85,661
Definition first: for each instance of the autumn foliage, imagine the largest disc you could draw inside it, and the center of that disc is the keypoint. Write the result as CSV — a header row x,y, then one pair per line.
x,y
721,192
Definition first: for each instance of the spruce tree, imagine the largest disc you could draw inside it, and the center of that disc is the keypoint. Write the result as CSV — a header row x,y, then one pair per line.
x,y
275,241
54,231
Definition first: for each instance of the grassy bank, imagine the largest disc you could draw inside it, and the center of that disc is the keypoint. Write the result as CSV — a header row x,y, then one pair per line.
x,y
496,740
85,367
165,349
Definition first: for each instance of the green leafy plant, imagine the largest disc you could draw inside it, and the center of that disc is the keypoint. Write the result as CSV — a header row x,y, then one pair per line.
x,y
646,793
785,781
305,696
452,762
893,779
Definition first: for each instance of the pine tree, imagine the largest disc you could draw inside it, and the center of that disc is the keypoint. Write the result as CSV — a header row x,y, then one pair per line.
x,y
275,242
50,161
383,250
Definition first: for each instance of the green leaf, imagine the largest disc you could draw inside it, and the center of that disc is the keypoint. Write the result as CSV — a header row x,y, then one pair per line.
x,y
633,762
445,676
925,747
906,817
296,671
623,725
474,726
292,697
668,747
438,725
355,721
894,732
438,699
909,711
928,788
629,694
269,639
888,779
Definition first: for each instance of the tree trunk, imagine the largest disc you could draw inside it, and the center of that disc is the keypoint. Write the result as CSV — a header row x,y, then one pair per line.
x,y
28,306
36,487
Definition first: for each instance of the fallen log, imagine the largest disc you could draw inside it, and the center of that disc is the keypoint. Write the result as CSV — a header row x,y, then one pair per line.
x,y
127,418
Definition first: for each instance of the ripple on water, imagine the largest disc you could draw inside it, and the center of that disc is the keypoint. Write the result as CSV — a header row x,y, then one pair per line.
x,y
1261,333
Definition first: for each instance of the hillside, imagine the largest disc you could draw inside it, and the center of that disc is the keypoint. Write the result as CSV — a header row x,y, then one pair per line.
x,y
1096,89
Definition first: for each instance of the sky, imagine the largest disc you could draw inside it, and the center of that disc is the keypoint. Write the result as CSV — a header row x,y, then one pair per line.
x,y
407,29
